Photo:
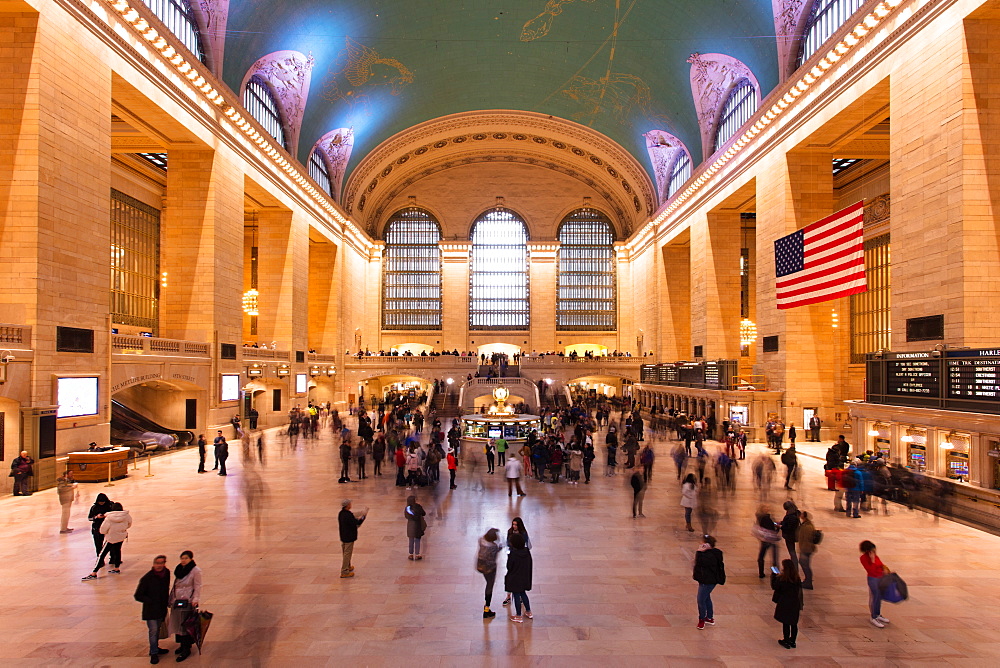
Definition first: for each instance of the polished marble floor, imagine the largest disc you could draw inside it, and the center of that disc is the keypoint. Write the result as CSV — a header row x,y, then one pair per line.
x,y
608,590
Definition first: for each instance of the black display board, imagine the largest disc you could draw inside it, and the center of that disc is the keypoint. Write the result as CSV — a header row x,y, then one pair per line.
x,y
961,380
717,375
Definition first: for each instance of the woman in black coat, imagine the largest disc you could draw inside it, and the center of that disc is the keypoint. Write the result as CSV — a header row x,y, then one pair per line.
x,y
96,516
787,601
518,579
709,572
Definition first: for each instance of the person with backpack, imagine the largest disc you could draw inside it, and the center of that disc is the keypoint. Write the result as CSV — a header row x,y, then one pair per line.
x,y
875,569
808,539
709,572
486,563
791,462
766,531
852,490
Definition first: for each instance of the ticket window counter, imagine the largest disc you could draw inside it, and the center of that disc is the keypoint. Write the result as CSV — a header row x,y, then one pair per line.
x,y
882,446
739,414
993,452
956,457
915,446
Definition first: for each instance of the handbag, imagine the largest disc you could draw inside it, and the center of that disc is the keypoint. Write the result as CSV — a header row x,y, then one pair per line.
x,y
892,588
765,535
164,632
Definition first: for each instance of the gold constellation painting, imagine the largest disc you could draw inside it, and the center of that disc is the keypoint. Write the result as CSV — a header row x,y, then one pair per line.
x,y
541,24
364,72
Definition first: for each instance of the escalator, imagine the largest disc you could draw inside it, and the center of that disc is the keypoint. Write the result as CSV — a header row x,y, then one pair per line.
x,y
136,431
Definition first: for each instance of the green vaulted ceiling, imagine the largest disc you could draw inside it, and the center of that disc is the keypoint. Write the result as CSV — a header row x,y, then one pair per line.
x,y
618,66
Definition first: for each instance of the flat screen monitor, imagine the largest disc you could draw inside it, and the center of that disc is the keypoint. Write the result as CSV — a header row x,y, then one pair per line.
x,y
494,431
301,383
230,387
77,396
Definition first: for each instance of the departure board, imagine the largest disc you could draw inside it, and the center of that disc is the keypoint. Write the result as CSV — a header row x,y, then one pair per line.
x,y
975,377
715,375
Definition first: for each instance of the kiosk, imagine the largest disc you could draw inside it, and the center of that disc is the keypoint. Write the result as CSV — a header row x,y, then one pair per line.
x,y
90,466
501,420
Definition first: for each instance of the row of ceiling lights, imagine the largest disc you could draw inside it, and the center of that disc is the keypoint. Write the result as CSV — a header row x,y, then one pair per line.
x,y
873,19
131,16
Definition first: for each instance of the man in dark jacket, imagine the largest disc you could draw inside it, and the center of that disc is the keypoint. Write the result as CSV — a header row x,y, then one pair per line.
x,y
709,571
791,462
154,594
790,530
21,469
518,578
349,524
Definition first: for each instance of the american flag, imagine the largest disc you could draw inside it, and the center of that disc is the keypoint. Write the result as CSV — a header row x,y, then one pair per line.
x,y
822,261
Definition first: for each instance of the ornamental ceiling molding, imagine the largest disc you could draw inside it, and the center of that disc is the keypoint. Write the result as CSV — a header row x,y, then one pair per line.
x,y
336,146
288,75
544,131
664,149
713,76
212,17
619,205
790,18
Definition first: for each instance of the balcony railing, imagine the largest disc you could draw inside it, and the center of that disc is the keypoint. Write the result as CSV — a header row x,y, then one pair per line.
x,y
437,360
125,344
555,360
266,354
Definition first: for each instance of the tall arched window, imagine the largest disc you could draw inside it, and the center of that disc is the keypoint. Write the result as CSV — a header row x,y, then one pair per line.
x,y
679,173
498,277
177,15
585,287
259,102
319,172
826,18
739,107
411,271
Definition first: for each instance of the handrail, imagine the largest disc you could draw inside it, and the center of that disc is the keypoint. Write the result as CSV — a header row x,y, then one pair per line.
x,y
128,344
266,354
15,334
440,360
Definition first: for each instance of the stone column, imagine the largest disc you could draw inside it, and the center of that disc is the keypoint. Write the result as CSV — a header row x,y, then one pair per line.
x,y
542,296
455,295
283,278
202,247
324,301
715,284
675,309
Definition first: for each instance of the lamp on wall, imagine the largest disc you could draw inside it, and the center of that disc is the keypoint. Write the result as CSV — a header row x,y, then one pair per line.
x,y
315,371
331,370
947,444
284,370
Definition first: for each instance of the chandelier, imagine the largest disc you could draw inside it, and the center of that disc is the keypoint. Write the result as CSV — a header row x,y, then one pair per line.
x,y
748,332
250,302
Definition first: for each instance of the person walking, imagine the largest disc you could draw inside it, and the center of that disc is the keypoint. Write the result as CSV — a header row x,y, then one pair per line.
x,y
222,454
416,525
709,572
102,506
153,592
630,447
114,528
486,563
766,531
202,452
378,454
611,441
787,599
790,529
875,569
184,598
518,578
67,490
452,468
638,483
348,523
512,471
806,540
399,457
689,499
791,462
646,457
345,459
22,468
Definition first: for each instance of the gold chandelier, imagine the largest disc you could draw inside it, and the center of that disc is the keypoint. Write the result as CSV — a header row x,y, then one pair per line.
x,y
748,332
250,302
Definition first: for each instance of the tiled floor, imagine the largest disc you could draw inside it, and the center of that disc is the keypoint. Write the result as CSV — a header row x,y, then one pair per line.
x,y
608,590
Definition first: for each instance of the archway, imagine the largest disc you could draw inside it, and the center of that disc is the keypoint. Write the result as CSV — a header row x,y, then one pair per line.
x,y
506,348
413,348
581,349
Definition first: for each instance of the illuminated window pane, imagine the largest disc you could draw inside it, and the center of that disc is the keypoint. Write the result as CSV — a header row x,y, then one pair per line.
x,y
319,172
679,173
260,104
498,281
870,311
177,15
739,107
827,17
135,262
411,272
586,298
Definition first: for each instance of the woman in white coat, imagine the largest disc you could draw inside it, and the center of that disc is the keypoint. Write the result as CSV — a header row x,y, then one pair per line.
x,y
115,530
689,498
184,597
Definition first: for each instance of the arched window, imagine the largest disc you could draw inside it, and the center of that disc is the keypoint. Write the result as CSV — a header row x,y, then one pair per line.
x,y
259,102
739,107
411,271
319,172
679,173
585,287
498,277
177,15
826,18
